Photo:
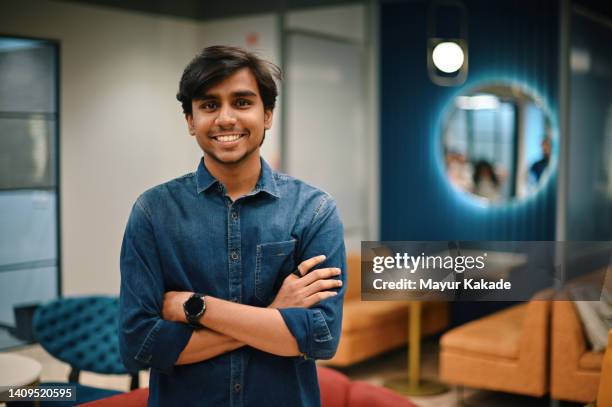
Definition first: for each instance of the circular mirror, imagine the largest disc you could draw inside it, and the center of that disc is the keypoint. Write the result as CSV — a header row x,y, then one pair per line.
x,y
497,143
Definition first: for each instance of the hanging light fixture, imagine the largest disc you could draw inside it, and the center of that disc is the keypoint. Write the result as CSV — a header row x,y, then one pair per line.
x,y
448,57
447,43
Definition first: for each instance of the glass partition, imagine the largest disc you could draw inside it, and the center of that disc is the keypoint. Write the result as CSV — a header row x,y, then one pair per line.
x,y
29,244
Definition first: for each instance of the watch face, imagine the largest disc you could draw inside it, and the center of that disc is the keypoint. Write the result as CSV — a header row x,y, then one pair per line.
x,y
194,305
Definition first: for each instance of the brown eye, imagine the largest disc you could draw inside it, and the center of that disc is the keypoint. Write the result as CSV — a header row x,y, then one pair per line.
x,y
243,103
209,106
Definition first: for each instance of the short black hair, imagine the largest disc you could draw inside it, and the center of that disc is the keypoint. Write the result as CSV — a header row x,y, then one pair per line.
x,y
484,165
214,64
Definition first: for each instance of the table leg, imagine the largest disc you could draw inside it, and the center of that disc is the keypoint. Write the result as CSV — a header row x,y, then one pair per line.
x,y
413,385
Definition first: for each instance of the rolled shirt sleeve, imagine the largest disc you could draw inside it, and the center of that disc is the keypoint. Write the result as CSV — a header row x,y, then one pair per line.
x,y
317,329
145,339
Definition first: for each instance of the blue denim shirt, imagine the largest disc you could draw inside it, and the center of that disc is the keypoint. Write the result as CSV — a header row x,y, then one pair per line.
x,y
187,235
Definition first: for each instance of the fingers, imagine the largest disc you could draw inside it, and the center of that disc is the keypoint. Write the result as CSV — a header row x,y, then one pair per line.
x,y
306,265
322,285
320,274
318,297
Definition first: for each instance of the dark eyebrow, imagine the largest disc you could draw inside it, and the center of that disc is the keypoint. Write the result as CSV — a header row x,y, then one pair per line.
x,y
244,93
207,96
240,93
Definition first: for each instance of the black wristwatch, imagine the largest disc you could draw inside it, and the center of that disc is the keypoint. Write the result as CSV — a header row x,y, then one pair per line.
x,y
194,308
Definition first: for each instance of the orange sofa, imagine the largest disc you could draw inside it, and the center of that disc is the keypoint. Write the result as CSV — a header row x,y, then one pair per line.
x,y
604,395
575,370
370,328
505,351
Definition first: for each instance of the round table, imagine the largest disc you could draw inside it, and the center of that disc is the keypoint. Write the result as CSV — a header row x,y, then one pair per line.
x,y
18,370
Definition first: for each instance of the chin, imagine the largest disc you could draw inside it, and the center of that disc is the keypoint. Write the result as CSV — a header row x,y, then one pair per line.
x,y
228,158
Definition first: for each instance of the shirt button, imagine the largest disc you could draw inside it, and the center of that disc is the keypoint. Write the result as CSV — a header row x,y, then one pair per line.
x,y
234,255
237,387
234,215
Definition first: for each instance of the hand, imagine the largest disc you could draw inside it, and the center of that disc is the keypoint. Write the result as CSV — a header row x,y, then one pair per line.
x,y
172,309
310,288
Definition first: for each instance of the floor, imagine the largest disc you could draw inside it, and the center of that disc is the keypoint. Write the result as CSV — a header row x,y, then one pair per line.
x,y
374,371
394,364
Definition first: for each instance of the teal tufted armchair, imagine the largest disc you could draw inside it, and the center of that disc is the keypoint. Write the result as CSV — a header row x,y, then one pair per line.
x,y
82,331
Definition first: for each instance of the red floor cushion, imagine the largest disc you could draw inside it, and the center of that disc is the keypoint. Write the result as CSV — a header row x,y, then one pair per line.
x,y
334,387
336,391
135,398
364,394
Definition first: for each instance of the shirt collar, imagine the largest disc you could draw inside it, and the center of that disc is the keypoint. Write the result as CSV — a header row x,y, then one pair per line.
x,y
266,182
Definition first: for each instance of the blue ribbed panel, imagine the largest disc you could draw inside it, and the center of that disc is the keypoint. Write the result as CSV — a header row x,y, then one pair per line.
x,y
508,41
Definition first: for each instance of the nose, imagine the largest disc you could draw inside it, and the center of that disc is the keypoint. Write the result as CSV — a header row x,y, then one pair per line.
x,y
226,118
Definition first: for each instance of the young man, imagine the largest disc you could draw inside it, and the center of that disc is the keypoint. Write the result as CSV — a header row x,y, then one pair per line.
x,y
231,282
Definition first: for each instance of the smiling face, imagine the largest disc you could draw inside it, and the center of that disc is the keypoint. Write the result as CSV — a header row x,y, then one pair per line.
x,y
229,120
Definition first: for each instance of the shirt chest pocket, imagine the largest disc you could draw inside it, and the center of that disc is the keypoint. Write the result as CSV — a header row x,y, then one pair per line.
x,y
274,262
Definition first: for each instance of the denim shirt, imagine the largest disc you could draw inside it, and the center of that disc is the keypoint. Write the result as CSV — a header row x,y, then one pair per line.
x,y
187,235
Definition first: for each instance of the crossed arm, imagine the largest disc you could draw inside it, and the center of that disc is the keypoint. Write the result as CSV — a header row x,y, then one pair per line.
x,y
230,325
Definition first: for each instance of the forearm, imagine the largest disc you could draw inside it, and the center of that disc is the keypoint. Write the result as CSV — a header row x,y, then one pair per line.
x,y
261,328
206,344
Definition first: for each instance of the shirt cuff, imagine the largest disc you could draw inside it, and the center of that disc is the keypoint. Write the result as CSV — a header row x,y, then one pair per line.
x,y
163,345
310,330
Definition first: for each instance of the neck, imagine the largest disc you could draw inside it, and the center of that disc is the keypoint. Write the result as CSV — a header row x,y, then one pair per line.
x,y
238,178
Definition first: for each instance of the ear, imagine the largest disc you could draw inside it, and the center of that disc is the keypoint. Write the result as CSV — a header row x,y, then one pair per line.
x,y
268,119
189,120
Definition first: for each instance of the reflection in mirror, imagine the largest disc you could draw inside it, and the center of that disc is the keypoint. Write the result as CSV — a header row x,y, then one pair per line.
x,y
497,143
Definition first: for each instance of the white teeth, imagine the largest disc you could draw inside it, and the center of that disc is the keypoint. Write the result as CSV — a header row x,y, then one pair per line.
x,y
231,137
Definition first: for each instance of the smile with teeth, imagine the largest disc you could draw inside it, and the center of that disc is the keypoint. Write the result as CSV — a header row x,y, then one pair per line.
x,y
228,138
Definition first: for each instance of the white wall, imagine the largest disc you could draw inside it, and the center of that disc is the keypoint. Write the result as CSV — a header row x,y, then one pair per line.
x,y
330,117
342,22
121,129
